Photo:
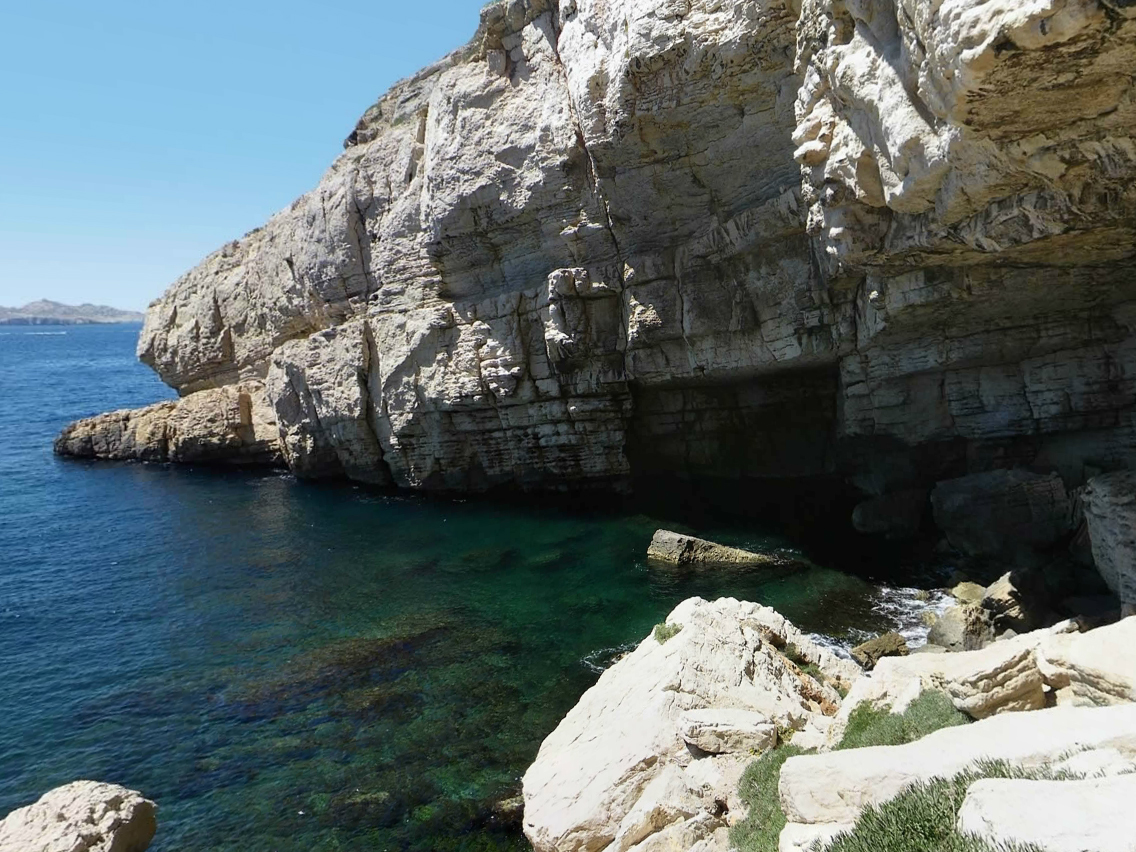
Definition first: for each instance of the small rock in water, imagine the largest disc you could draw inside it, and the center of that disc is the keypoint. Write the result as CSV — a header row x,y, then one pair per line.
x,y
963,628
676,549
968,593
871,652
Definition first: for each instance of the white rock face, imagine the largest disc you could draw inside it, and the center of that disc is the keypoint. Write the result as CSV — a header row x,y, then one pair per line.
x,y
704,237
1110,511
1004,677
720,731
609,773
82,817
1056,816
798,837
837,786
1098,667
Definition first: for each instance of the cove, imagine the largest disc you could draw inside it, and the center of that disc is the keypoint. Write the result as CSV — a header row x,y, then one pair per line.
x,y
285,666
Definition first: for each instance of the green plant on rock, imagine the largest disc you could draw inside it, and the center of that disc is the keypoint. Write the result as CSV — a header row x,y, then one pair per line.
x,y
924,817
665,632
761,828
870,726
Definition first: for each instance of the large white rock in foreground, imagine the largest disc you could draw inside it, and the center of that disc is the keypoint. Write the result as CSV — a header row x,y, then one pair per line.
x,y
619,770
85,816
836,787
1055,816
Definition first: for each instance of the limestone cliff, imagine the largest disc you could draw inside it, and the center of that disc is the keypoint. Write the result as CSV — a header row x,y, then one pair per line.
x,y
891,241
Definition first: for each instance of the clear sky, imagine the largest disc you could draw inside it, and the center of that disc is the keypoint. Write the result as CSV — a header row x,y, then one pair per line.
x,y
137,137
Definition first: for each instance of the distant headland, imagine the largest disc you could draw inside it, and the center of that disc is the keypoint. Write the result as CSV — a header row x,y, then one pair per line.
x,y
45,312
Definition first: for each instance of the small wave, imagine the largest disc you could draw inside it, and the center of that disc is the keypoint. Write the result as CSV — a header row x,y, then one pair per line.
x,y
904,610
44,334
603,659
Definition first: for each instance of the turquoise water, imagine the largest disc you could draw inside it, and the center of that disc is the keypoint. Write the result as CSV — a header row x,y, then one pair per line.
x,y
298,667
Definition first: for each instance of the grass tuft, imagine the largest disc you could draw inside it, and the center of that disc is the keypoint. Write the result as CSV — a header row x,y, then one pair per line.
x,y
665,632
761,828
924,816
930,712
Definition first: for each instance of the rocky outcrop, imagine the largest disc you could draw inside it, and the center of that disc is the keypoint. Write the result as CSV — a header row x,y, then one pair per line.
x,y
685,551
1053,816
1002,512
869,653
230,425
1110,512
887,241
1098,667
835,787
656,747
82,817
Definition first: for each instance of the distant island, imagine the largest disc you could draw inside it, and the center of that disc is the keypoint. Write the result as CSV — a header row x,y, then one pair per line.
x,y
45,312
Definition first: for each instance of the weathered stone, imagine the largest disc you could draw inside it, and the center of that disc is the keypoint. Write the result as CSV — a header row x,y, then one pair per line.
x,y
1110,510
1002,512
720,731
594,769
890,242
1098,667
837,786
869,653
968,593
1054,816
962,628
686,551
1000,678
82,817
1015,602
229,425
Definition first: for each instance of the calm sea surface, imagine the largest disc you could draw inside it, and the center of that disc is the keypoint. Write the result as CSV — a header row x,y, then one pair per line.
x,y
298,667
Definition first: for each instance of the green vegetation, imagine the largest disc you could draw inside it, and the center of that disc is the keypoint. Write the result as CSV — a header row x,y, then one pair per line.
x,y
759,831
761,828
869,726
924,816
793,654
664,632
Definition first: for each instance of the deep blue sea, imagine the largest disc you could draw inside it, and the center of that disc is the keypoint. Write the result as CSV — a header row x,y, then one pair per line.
x,y
286,666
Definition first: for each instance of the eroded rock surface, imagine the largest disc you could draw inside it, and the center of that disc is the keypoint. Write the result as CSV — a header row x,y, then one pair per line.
x,y
657,746
1110,511
751,238
232,425
82,817
686,551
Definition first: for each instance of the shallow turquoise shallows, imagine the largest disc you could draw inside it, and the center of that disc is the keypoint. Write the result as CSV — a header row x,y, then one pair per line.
x,y
300,667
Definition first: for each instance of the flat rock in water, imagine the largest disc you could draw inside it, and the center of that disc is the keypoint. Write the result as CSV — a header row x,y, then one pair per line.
x,y
676,549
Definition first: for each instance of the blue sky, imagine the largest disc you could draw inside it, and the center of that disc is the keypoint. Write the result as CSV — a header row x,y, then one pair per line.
x,y
136,137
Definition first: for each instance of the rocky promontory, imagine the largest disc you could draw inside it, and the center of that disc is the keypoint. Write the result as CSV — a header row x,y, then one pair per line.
x,y
85,816
890,243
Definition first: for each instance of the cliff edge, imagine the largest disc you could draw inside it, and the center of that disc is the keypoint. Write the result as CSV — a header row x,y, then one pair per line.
x,y
888,241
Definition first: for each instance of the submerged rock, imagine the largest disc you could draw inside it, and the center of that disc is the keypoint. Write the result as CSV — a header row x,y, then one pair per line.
x,y
686,551
85,816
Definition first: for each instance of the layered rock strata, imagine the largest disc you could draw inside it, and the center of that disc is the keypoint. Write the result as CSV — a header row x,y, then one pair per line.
x,y
751,238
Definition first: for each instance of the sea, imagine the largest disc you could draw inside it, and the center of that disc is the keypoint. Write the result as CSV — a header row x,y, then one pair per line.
x,y
288,666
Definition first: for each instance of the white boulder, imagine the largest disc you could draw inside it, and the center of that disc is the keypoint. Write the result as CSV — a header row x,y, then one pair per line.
x,y
1098,667
1054,816
719,731
596,778
85,816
